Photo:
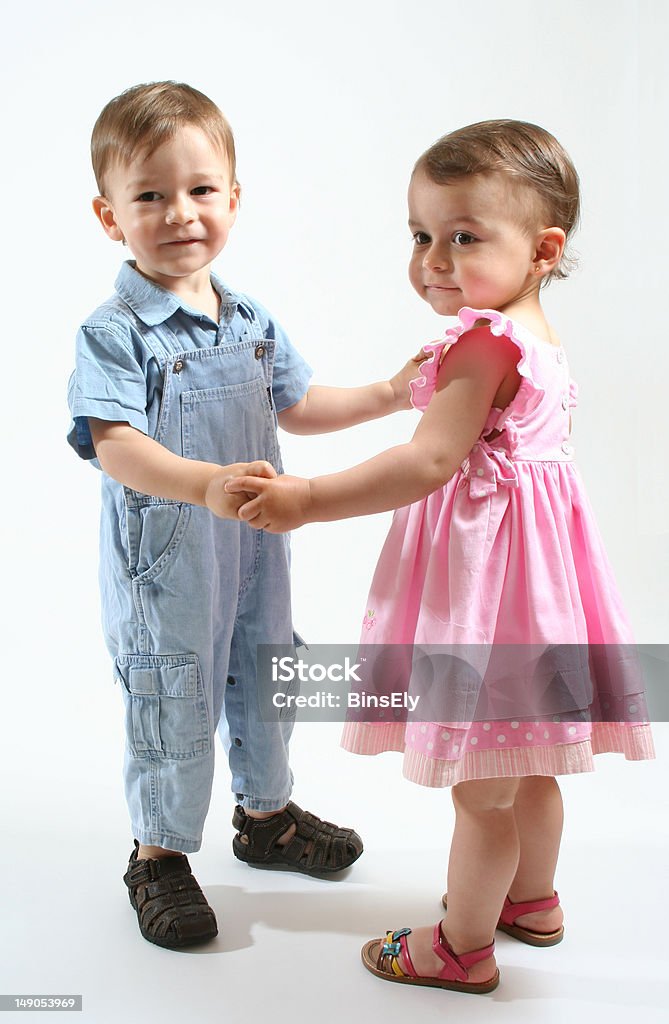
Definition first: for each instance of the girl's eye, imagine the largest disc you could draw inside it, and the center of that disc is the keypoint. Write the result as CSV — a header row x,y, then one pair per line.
x,y
462,238
201,190
421,238
148,197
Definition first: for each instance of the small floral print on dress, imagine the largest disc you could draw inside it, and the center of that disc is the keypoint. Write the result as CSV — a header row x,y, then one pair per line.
x,y
369,619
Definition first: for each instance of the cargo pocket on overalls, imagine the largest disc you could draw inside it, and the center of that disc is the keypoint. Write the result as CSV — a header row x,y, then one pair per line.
x,y
166,712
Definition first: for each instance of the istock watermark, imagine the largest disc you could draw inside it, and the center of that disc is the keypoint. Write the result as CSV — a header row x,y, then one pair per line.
x,y
465,683
288,668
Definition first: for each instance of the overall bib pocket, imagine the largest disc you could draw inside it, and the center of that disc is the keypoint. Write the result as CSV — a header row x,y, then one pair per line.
x,y
166,711
234,423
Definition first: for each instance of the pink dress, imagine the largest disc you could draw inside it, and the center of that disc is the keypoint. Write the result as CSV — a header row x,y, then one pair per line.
x,y
506,553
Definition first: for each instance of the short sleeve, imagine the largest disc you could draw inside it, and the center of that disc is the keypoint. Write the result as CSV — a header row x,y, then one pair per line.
x,y
292,374
108,383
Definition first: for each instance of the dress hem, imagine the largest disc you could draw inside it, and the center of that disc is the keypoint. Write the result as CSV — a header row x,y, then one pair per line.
x,y
635,742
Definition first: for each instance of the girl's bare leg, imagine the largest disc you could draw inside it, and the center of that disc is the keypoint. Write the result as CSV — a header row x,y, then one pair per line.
x,y
483,862
539,817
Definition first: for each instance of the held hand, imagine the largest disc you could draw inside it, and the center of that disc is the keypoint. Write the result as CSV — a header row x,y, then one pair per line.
x,y
400,382
280,505
226,505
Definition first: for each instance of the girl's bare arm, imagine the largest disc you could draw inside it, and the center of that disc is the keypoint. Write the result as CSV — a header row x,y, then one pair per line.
x,y
469,377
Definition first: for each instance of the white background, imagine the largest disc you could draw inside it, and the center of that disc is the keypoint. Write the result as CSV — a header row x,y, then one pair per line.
x,y
331,105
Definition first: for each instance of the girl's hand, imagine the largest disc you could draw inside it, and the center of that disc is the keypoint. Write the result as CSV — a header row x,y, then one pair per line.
x,y
400,382
226,505
280,505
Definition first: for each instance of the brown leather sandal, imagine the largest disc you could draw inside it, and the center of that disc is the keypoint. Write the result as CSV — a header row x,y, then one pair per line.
x,y
171,908
256,843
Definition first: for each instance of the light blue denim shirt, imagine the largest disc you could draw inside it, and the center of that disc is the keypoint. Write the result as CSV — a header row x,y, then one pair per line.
x,y
118,373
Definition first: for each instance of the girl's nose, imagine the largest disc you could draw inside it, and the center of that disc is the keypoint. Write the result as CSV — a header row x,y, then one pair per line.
x,y
436,258
180,211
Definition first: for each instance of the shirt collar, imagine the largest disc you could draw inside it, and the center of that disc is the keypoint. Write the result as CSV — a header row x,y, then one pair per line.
x,y
153,304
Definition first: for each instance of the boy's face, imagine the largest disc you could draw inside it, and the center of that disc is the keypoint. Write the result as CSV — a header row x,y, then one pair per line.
x,y
174,208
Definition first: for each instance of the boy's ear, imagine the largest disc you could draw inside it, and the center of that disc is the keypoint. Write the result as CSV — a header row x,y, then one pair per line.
x,y
104,211
550,245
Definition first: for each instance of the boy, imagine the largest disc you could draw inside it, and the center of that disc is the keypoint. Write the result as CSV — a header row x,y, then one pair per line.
x,y
178,386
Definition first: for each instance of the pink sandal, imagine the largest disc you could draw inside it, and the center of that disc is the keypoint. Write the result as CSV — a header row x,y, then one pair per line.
x,y
381,957
512,911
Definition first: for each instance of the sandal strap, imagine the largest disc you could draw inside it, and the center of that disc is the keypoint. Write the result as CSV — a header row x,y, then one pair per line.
x,y
512,911
331,845
456,964
388,958
143,872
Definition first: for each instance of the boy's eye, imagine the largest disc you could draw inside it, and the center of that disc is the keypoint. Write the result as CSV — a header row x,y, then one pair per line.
x,y
201,190
148,197
462,238
421,238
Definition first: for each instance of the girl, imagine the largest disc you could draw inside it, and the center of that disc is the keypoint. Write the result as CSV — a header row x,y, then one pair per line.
x,y
493,543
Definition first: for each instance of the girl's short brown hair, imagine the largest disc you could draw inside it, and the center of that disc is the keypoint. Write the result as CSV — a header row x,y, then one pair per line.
x,y
526,153
145,116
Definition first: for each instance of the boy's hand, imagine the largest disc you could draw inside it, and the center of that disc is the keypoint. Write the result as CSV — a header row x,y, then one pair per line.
x,y
226,505
400,382
280,505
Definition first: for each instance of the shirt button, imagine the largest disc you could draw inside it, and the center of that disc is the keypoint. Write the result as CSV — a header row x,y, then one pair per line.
x,y
260,351
559,355
231,680
178,366
565,403
479,472
566,448
238,742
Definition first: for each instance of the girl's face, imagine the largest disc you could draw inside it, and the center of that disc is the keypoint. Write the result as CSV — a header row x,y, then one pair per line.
x,y
472,245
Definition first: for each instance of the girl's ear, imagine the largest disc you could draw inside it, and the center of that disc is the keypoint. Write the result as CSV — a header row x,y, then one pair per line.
x,y
104,211
550,245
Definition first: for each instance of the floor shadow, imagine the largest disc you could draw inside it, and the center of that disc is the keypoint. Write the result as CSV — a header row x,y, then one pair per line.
x,y
325,910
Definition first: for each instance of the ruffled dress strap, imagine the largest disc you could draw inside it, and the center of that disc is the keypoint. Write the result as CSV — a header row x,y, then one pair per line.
x,y
422,387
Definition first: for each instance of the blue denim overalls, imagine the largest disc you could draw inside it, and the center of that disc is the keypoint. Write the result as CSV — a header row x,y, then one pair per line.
x,y
186,597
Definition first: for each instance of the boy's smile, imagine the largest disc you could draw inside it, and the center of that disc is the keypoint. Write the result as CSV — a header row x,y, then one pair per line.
x,y
174,208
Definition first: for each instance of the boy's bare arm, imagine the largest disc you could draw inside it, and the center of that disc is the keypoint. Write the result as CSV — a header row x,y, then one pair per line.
x,y
324,409
139,462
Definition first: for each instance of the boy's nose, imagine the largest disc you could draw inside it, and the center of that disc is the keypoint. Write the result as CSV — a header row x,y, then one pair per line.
x,y
180,211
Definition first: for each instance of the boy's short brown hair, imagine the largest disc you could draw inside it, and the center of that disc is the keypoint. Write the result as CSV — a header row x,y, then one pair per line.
x,y
528,154
145,116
